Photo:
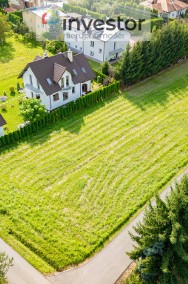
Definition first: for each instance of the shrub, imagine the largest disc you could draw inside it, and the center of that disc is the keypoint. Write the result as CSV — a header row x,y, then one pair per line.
x,y
56,46
11,89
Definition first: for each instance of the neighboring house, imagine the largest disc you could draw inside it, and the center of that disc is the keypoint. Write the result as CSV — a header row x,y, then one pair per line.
x,y
169,8
2,123
58,79
34,18
22,4
101,46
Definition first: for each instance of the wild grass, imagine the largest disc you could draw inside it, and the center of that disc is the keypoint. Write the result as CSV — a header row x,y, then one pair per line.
x,y
66,190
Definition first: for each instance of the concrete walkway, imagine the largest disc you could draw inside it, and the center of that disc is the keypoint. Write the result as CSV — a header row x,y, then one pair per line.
x,y
21,272
104,268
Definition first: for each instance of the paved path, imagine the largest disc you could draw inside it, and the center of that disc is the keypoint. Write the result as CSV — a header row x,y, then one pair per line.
x,y
21,272
104,268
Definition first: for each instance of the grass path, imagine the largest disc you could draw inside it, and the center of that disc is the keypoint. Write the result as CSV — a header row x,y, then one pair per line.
x,y
67,189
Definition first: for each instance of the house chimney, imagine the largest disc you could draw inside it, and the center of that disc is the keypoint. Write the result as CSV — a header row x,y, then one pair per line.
x,y
70,55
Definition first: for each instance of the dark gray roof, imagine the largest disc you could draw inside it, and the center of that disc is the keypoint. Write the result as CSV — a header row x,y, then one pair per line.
x,y
2,121
50,68
59,70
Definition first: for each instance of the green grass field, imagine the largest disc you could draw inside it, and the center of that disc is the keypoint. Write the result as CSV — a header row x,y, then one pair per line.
x,y
14,56
65,191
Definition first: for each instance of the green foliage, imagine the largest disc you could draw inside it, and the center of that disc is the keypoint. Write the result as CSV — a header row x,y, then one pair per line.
x,y
4,27
56,46
77,9
5,263
166,47
4,3
99,76
162,238
105,68
134,278
32,110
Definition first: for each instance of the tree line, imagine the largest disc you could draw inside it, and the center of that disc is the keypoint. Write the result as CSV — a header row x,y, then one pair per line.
x,y
167,46
161,240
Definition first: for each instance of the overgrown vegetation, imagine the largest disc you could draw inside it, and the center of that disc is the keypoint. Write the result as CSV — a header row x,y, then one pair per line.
x,y
162,238
63,190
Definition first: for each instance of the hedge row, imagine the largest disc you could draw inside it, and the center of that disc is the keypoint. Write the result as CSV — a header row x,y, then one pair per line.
x,y
60,113
99,76
83,11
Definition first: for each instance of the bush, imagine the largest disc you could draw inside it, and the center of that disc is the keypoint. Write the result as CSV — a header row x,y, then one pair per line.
x,y
56,46
11,89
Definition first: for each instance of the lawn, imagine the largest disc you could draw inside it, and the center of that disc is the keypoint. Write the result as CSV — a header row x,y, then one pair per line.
x,y
14,56
66,190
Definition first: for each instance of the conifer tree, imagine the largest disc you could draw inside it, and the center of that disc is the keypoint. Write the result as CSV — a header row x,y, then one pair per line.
x,y
162,239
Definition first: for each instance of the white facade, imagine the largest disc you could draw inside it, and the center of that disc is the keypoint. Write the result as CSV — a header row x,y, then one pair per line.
x,y
1,131
69,91
99,49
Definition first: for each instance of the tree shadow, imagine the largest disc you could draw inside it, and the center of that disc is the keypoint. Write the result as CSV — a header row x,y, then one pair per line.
x,y
6,52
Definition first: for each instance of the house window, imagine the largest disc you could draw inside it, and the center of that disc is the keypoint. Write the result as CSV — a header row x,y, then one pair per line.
x,y
32,94
38,86
92,43
100,50
67,80
55,97
31,80
73,90
37,96
114,45
62,83
65,96
91,53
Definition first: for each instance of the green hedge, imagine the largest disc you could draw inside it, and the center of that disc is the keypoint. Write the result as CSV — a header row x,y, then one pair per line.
x,y
60,113
99,76
83,11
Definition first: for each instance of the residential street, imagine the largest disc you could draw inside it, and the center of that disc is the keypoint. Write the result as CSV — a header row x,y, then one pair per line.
x,y
104,268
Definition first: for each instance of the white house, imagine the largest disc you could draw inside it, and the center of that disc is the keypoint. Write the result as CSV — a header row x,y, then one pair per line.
x,y
170,8
58,79
2,123
104,45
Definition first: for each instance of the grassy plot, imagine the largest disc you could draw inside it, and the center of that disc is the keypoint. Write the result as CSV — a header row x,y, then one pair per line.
x,y
14,56
67,189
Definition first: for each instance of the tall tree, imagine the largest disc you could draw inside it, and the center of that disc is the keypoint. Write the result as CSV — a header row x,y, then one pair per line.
x,y
4,27
162,239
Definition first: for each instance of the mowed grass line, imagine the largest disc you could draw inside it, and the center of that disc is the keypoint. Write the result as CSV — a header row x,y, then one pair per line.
x,y
66,190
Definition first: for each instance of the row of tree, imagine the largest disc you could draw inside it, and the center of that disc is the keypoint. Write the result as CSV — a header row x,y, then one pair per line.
x,y
162,240
166,47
